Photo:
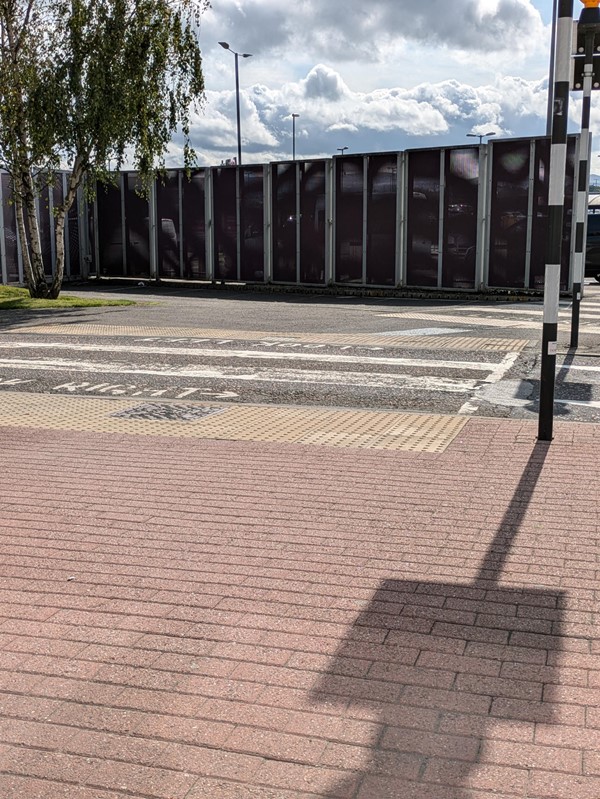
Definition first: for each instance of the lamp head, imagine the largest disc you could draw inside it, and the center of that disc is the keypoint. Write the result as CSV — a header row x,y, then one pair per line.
x,y
224,45
246,55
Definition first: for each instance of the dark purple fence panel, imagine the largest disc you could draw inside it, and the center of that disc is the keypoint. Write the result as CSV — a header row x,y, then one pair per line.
x,y
74,215
44,227
10,231
194,226
539,234
539,229
568,212
93,266
313,222
508,214
382,175
284,222
460,217
252,244
110,231
167,224
349,182
225,223
423,217
137,222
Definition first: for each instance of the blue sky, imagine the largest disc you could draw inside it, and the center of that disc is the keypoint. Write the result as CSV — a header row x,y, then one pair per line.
x,y
372,75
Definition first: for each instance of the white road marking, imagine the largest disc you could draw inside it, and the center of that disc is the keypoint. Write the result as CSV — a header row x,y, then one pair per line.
x,y
422,331
15,381
484,321
122,388
363,360
469,407
370,379
501,368
568,367
587,404
479,321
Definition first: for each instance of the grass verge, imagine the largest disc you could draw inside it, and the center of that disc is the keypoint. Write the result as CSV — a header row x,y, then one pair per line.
x,y
16,299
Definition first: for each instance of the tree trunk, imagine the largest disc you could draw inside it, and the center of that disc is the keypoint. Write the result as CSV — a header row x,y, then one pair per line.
x,y
59,267
33,269
31,247
61,214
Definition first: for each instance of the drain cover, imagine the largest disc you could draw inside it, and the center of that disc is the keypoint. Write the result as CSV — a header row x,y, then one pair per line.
x,y
170,413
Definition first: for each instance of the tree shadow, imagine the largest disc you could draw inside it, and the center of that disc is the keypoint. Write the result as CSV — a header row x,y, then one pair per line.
x,y
15,319
437,663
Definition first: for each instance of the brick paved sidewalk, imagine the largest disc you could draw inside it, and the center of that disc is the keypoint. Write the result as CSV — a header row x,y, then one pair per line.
x,y
239,620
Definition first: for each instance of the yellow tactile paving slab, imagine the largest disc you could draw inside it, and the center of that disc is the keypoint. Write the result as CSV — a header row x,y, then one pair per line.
x,y
387,430
464,319
465,343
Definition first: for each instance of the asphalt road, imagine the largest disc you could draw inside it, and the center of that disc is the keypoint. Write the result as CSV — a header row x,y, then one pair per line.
x,y
476,358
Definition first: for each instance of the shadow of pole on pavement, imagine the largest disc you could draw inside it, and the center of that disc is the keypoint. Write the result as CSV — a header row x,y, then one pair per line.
x,y
436,664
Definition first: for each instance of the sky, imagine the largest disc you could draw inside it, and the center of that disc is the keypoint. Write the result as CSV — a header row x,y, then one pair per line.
x,y
372,76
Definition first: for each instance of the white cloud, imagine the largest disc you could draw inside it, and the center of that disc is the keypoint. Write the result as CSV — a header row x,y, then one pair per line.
x,y
324,83
359,30
381,75
383,119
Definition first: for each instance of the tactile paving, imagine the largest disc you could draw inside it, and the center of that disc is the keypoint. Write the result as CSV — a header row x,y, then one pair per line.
x,y
389,430
446,342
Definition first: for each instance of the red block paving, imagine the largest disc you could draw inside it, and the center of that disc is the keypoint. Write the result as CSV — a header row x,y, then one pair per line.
x,y
188,619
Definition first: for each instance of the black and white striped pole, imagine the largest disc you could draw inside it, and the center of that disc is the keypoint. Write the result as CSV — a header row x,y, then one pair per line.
x,y
587,46
556,200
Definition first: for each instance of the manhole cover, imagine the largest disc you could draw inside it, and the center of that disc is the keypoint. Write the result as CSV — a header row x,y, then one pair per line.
x,y
170,413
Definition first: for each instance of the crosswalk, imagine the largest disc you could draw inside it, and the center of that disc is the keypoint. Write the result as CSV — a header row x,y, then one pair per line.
x,y
522,316
354,370
472,360
241,372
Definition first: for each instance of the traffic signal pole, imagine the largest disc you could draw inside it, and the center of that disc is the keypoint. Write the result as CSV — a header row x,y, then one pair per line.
x,y
587,29
556,199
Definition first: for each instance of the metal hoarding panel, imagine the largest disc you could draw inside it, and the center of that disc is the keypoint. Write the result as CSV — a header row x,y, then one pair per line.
x,y
423,218
349,191
313,221
284,222
137,223
460,217
168,228
508,214
109,230
252,241
225,223
382,176
194,225
10,231
72,243
44,216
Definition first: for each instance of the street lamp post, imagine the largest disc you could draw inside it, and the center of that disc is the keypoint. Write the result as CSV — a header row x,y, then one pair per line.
x,y
226,46
481,136
342,149
294,118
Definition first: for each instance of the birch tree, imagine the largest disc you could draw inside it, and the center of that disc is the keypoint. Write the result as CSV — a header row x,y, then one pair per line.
x,y
86,83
